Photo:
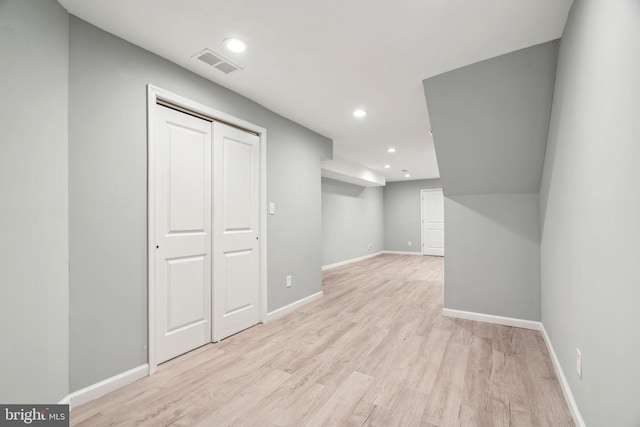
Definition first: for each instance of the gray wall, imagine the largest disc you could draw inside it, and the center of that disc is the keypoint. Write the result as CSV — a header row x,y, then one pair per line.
x,y
352,218
493,254
34,277
402,214
490,123
590,210
108,215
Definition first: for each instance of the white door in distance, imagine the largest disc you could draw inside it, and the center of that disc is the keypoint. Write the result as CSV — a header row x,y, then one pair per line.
x,y
432,222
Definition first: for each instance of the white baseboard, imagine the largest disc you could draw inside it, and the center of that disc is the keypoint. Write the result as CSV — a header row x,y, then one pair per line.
x,y
489,318
568,396
349,261
536,326
283,311
96,390
401,253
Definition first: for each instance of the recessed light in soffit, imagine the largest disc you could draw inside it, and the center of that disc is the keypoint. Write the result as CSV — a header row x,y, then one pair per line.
x,y
217,61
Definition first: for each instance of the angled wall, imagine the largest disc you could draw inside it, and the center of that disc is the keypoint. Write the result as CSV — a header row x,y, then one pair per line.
x,y
34,278
490,123
590,210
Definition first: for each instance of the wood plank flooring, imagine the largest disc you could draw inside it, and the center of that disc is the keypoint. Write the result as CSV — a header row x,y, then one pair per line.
x,y
375,351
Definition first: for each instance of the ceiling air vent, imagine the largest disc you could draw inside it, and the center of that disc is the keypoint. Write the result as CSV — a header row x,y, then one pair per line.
x,y
215,60
209,58
227,67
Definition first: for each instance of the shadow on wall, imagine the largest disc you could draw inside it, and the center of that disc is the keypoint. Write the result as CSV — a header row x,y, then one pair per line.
x,y
517,213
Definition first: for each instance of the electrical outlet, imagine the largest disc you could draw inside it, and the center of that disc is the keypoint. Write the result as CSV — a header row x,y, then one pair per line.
x,y
288,281
272,208
370,245
579,363
409,243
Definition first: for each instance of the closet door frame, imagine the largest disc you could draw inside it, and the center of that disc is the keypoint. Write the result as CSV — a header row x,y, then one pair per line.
x,y
156,95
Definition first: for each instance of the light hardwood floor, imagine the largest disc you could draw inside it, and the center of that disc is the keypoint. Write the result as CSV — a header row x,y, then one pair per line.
x,y
375,351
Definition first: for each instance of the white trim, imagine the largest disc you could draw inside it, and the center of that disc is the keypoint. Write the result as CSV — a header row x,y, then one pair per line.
x,y
489,318
96,390
292,307
65,401
401,253
536,326
180,101
151,229
153,95
566,390
349,261
263,214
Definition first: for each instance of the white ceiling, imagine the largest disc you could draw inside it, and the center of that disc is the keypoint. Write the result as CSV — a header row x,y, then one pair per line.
x,y
315,61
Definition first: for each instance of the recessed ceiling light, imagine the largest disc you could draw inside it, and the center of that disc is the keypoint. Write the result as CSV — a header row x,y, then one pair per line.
x,y
387,166
359,113
391,150
406,175
235,45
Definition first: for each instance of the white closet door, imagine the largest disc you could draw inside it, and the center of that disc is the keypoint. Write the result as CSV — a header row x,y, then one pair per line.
x,y
183,233
432,222
236,284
